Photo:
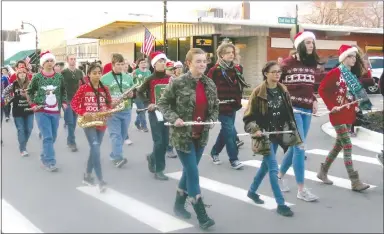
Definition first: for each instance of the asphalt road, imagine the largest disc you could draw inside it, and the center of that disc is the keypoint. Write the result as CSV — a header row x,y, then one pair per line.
x,y
136,202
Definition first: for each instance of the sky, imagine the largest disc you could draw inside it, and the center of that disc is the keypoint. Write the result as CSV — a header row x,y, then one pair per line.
x,y
78,17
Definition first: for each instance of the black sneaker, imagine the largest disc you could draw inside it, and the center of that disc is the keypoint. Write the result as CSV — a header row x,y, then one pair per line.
x,y
102,186
73,147
236,165
216,159
120,162
138,127
255,197
161,176
145,130
6,119
284,210
239,143
88,180
151,164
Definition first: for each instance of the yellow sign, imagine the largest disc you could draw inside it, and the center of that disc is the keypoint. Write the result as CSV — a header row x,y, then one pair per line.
x,y
203,42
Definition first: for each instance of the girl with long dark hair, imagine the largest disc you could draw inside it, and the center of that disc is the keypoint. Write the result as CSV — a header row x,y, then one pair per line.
x,y
90,98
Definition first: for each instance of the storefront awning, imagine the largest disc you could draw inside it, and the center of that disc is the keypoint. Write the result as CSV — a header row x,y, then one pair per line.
x,y
109,30
21,55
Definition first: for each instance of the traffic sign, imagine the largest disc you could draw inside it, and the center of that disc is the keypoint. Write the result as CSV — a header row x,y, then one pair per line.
x,y
286,20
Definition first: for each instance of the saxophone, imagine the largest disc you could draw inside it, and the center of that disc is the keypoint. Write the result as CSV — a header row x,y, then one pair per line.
x,y
100,118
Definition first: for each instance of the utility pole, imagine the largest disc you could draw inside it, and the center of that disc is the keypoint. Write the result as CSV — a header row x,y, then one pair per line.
x,y
165,28
297,18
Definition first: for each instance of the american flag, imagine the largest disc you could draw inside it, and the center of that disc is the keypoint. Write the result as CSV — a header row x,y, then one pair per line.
x,y
148,43
27,60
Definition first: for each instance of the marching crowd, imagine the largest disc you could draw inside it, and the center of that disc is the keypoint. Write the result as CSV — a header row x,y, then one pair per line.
x,y
183,107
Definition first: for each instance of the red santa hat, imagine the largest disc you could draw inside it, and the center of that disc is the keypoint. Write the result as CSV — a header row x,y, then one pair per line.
x,y
301,36
107,68
178,64
169,65
346,50
46,56
156,56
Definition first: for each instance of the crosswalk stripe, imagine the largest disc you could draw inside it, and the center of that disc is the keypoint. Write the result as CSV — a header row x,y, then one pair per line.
x,y
14,222
231,191
355,157
310,175
149,215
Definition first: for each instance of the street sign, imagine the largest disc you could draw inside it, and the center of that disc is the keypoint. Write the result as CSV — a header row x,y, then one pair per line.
x,y
287,20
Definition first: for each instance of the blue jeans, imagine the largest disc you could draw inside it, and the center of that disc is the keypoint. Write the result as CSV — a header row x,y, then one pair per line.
x,y
94,137
24,126
227,137
118,131
189,181
48,124
140,118
160,137
269,165
70,118
296,153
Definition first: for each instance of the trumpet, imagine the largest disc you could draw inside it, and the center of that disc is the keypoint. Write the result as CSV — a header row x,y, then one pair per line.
x,y
227,101
266,133
99,118
123,97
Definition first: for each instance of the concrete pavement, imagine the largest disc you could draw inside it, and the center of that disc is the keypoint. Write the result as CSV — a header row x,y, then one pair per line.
x,y
136,202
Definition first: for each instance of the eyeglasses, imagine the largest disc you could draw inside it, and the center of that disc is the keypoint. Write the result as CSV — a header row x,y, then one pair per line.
x,y
351,56
276,72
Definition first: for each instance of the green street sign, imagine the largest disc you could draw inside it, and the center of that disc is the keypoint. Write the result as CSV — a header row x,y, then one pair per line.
x,y
286,20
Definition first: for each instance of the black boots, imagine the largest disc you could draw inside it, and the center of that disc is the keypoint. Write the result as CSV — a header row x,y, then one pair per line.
x,y
179,207
204,221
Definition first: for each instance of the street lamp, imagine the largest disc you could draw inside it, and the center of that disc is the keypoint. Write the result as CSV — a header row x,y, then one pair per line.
x,y
36,52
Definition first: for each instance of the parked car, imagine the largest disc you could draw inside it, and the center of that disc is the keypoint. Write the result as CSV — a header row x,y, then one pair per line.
x,y
376,64
366,79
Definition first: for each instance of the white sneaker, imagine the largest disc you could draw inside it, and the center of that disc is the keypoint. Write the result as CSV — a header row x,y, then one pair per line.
x,y
283,185
24,154
306,195
128,142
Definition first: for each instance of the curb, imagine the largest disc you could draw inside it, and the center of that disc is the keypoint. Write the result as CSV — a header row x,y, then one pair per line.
x,y
366,140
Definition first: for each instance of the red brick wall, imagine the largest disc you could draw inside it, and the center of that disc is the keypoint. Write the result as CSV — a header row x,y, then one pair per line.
x,y
361,39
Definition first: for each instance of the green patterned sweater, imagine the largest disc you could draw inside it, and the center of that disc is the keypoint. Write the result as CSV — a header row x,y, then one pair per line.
x,y
47,91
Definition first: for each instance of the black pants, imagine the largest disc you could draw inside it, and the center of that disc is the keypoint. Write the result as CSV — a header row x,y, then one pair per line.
x,y
160,138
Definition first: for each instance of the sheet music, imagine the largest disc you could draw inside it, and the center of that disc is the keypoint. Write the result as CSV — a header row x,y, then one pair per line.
x,y
159,116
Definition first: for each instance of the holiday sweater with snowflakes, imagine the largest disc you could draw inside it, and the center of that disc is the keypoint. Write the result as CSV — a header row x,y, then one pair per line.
x,y
47,90
300,81
334,92
85,101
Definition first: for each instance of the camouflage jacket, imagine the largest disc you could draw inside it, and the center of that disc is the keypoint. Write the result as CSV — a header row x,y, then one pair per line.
x,y
178,101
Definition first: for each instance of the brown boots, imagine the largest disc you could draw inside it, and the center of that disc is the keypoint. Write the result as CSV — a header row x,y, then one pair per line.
x,y
357,185
323,175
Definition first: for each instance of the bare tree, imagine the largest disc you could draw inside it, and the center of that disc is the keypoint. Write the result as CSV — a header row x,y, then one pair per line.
x,y
364,14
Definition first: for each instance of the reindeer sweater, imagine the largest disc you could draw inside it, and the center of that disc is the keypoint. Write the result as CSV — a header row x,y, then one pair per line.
x,y
48,91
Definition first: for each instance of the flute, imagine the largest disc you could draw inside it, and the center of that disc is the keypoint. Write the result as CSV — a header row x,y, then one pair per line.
x,y
340,107
227,101
191,123
302,112
266,133
37,108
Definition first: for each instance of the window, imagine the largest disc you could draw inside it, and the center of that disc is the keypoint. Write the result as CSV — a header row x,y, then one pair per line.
x,y
376,63
172,49
331,63
184,46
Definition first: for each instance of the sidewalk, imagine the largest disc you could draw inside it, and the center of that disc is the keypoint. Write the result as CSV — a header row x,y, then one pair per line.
x,y
365,139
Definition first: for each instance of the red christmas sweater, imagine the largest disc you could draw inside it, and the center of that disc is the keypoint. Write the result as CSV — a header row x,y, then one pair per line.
x,y
334,92
300,81
201,107
85,100
146,91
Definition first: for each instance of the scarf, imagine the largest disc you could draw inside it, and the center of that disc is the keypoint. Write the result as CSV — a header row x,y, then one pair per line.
x,y
225,66
355,88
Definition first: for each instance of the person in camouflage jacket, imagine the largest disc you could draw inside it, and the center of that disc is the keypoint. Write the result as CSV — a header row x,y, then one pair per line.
x,y
191,97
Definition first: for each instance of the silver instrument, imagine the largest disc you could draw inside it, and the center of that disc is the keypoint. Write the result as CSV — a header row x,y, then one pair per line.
x,y
227,101
340,107
191,123
265,133
37,108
